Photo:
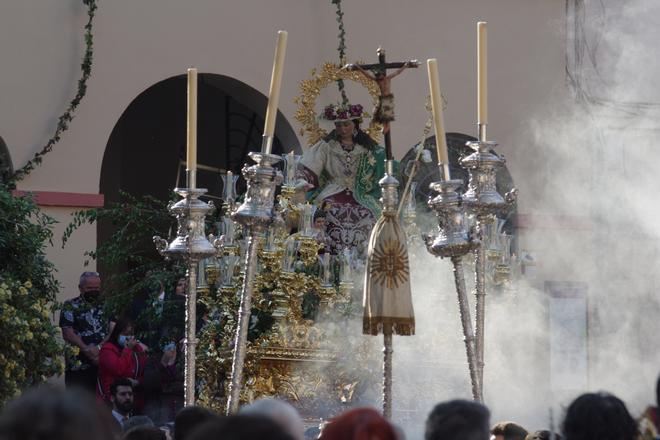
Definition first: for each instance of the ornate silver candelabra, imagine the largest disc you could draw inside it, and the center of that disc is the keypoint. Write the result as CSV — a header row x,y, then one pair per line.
x,y
192,245
454,242
483,201
255,215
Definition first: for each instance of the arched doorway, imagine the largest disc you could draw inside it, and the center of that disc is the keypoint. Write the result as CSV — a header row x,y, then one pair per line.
x,y
6,165
147,146
146,150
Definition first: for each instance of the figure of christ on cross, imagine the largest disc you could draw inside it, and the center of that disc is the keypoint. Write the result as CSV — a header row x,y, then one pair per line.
x,y
384,112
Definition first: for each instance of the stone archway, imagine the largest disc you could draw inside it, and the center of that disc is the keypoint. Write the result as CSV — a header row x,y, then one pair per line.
x,y
6,164
146,149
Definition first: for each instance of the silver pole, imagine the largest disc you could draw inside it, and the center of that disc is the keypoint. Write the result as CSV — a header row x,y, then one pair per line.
x,y
387,375
466,321
256,215
480,287
484,201
244,312
190,243
452,240
190,342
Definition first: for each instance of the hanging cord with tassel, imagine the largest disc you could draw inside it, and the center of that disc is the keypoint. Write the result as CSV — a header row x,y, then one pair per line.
x,y
420,150
341,49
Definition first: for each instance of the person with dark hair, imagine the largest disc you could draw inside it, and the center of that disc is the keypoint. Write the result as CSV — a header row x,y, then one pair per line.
x,y
121,396
649,422
240,427
458,420
358,424
342,171
599,416
508,431
122,356
190,418
84,326
144,433
543,435
54,414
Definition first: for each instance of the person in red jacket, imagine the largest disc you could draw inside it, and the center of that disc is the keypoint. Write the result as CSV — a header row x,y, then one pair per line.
x,y
121,356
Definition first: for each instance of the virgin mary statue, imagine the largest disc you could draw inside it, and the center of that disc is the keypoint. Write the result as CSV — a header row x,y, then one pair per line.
x,y
341,173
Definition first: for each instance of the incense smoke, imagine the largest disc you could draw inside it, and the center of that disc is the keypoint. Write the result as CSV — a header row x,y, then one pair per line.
x,y
588,158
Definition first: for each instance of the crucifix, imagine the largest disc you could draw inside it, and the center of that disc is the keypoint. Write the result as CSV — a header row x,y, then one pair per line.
x,y
384,112
387,302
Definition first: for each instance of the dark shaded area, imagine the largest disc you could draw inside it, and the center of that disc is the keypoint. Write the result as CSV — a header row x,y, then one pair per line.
x,y
146,151
6,165
457,150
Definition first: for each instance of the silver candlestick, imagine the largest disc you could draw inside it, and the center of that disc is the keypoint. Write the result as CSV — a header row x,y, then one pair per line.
x,y
255,215
483,200
192,245
454,242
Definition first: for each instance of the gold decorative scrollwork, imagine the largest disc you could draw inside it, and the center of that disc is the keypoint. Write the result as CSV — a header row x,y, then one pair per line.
x,y
310,89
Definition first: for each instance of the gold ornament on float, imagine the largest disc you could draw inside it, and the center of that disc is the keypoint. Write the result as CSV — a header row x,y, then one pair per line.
x,y
310,89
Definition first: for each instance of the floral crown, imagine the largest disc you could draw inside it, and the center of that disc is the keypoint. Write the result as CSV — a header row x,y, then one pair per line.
x,y
342,112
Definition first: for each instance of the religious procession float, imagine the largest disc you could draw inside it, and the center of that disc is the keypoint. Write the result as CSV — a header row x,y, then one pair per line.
x,y
315,252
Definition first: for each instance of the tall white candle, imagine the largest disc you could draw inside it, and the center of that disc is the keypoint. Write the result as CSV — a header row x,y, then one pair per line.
x,y
436,106
275,83
482,69
191,139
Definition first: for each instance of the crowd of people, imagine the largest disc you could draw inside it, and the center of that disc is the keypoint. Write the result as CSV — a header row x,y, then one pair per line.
x,y
49,413
108,348
108,395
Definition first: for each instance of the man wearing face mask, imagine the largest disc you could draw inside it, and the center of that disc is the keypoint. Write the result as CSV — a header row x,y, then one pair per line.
x,y
84,326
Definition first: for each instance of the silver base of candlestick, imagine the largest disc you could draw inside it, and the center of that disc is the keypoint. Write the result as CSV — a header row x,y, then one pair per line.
x,y
454,241
192,245
256,215
452,238
256,212
482,197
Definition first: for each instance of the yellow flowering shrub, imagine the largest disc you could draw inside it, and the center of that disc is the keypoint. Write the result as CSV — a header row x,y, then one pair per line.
x,y
30,350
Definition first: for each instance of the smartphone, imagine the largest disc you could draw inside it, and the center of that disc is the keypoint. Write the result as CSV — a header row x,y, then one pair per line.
x,y
169,347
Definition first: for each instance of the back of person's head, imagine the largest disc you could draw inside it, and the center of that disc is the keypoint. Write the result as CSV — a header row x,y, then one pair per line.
x,y
542,435
188,419
509,430
599,416
458,420
358,424
144,433
280,412
240,427
136,421
48,413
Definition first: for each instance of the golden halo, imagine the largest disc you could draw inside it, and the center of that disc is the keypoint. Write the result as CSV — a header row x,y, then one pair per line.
x,y
310,89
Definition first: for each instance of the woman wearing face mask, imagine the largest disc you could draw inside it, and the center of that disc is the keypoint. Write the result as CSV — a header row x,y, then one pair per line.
x,y
121,356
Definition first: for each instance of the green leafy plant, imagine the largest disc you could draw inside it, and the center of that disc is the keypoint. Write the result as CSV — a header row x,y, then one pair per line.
x,y
131,264
30,350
